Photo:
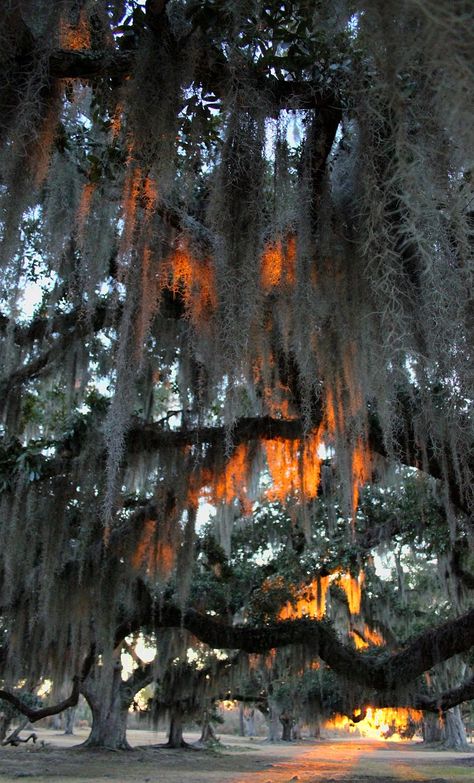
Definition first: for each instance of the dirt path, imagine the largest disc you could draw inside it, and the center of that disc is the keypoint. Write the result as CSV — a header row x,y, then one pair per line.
x,y
241,761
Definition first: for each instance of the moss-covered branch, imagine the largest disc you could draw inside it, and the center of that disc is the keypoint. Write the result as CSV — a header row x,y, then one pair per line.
x,y
384,671
43,712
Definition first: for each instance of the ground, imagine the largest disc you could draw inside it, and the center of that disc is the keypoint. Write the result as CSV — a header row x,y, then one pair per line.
x,y
352,760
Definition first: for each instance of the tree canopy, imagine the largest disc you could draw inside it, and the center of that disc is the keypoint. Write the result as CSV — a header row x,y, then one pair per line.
x,y
247,231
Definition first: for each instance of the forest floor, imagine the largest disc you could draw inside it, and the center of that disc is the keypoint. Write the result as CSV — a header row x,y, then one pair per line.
x,y
240,760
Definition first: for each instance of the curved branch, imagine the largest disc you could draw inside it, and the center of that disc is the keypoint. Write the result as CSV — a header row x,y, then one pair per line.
x,y
440,702
382,672
44,712
444,701
87,64
148,437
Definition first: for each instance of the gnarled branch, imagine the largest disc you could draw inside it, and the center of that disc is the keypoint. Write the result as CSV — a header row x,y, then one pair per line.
x,y
383,672
43,712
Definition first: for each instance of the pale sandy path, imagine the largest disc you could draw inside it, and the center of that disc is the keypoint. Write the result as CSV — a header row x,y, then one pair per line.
x,y
242,761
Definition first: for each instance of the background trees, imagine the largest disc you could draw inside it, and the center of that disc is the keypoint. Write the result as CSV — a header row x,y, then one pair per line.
x,y
247,230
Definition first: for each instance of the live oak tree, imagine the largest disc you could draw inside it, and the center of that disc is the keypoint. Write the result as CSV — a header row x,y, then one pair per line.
x,y
251,226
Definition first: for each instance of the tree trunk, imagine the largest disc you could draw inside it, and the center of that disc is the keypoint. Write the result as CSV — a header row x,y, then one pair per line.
x,y
109,713
241,720
56,722
454,731
175,735
69,720
273,729
316,730
109,728
249,722
287,723
433,730
296,731
4,724
208,735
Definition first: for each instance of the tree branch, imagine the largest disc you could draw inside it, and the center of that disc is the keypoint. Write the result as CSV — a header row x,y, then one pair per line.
x,y
282,94
68,64
44,712
420,701
446,700
383,671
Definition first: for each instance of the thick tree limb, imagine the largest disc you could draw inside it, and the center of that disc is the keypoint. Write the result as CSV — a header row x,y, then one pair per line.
x,y
149,437
66,64
43,712
437,703
446,700
384,672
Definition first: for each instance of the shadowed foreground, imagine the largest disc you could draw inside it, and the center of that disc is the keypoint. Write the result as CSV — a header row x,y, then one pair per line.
x,y
242,761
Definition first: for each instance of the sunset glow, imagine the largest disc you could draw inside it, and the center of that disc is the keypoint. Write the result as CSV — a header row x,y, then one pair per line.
x,y
395,724
352,587
366,638
278,264
194,280
311,601
153,555
75,37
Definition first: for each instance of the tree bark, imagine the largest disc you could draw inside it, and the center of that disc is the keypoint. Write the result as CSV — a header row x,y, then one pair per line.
x,y
109,727
273,730
208,735
4,724
433,729
175,735
109,713
69,720
241,720
249,722
454,731
287,724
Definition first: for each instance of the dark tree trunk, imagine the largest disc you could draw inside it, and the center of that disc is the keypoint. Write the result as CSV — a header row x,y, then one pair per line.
x,y
454,731
208,735
4,724
241,720
287,723
433,730
317,731
175,735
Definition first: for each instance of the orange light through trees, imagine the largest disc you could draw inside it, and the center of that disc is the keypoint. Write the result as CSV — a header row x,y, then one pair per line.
x,y
395,724
353,590
294,466
278,264
75,37
154,555
310,601
194,280
366,638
